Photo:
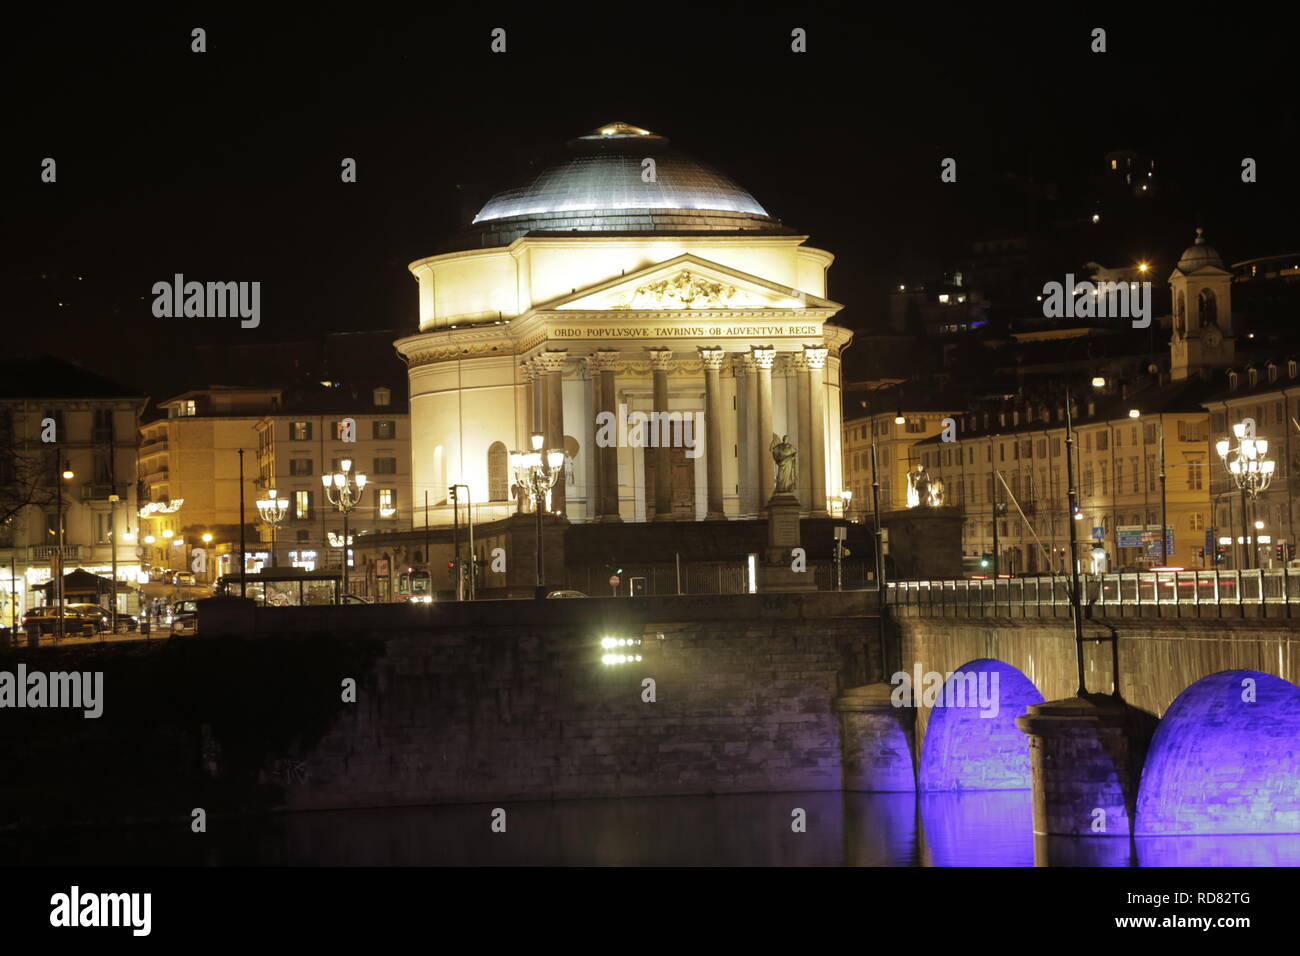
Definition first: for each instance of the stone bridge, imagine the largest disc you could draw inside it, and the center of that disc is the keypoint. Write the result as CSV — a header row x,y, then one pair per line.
x,y
1203,737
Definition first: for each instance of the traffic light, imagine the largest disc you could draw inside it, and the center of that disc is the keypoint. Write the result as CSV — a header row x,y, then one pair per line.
x,y
986,560
1281,552
1220,554
451,492
1290,552
451,570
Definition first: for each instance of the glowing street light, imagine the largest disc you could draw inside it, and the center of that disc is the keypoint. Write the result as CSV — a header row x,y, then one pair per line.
x,y
1251,469
536,473
344,488
273,510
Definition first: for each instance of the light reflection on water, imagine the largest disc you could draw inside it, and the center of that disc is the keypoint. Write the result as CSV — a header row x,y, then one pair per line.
x,y
984,828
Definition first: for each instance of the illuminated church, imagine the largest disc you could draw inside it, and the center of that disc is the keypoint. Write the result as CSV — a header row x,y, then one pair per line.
x,y
627,278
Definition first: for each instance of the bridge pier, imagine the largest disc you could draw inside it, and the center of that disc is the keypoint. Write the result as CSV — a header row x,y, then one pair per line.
x,y
876,740
1085,759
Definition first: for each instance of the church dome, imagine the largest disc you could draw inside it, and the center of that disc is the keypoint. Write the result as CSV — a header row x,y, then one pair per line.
x,y
1199,254
599,187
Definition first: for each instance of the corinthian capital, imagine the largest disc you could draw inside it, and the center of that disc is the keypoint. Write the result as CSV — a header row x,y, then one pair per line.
x,y
712,356
815,355
661,359
552,360
764,355
603,360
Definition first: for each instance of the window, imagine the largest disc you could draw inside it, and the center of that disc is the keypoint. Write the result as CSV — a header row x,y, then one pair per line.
x,y
385,466
103,529
386,501
299,467
1087,480
383,396
383,430
1195,474
1137,475
300,431
498,469
302,509
1103,441
1042,448
1196,521
187,409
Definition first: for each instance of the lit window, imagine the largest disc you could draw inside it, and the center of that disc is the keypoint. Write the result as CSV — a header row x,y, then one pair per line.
x,y
302,505
300,431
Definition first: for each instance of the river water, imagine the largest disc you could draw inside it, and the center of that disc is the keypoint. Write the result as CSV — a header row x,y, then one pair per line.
x,y
988,828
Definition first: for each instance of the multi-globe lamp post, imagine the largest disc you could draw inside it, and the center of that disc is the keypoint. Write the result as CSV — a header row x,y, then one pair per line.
x,y
344,488
536,473
1251,469
273,510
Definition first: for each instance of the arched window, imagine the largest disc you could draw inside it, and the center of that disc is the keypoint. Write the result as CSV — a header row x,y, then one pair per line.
x,y
498,469
1209,308
1180,315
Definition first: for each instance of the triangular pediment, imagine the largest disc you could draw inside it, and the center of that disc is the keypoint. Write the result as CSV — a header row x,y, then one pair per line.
x,y
686,283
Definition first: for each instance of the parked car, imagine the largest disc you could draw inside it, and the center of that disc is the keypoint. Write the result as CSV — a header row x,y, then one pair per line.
x,y
184,617
47,618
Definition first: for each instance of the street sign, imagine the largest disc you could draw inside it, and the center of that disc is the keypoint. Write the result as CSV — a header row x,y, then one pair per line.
x,y
1098,534
613,580
841,532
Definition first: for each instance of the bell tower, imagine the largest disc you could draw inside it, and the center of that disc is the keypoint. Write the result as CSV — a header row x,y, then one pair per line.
x,y
1202,301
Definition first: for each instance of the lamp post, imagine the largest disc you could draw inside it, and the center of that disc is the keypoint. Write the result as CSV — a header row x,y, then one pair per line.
x,y
344,489
61,475
536,473
273,510
1076,610
112,537
1251,469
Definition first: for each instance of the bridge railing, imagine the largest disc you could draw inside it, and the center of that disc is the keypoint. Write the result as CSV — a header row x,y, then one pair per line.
x,y
1265,592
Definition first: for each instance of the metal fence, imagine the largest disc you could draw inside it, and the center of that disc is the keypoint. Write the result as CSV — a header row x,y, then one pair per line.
x,y
1188,591
702,577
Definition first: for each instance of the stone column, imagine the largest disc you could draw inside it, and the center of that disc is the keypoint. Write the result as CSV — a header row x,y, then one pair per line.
x,y
605,364
712,359
764,355
532,415
804,442
816,358
661,361
742,366
552,365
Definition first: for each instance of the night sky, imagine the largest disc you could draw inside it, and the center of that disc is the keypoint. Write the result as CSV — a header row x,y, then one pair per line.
x,y
225,165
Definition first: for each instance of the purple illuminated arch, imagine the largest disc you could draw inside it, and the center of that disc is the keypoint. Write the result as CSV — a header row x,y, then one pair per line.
x,y
965,750
1221,764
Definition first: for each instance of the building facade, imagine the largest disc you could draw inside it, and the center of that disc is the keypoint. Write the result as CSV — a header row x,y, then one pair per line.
x,y
65,430
647,317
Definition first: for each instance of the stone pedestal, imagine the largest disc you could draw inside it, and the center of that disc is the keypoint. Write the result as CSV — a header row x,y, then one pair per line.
x,y
924,542
776,573
1084,762
876,740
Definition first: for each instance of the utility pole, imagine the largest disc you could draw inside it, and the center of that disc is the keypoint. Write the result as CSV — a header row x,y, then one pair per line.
x,y
58,512
1164,511
243,562
1076,611
112,537
455,535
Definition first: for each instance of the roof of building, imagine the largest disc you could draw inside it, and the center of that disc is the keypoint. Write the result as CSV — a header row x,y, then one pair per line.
x,y
1199,255
1167,398
48,377
601,186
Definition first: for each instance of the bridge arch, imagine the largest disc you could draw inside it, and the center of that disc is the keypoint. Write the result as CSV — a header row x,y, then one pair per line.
x,y
973,747
1221,762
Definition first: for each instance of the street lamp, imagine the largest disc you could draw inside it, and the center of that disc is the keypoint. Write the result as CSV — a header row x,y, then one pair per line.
x,y
536,473
846,498
1251,469
61,475
273,510
344,489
